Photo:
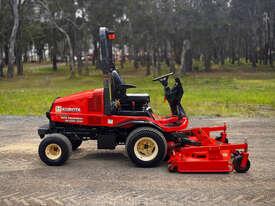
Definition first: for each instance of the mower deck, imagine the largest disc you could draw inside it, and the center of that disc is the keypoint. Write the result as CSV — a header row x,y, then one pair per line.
x,y
213,155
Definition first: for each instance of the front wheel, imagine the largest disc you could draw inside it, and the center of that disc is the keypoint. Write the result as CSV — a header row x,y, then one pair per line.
x,y
55,149
146,147
237,165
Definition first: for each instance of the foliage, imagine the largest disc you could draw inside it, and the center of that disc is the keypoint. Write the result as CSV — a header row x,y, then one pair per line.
x,y
152,33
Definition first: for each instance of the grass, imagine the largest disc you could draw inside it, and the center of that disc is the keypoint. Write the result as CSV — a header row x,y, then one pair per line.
x,y
230,93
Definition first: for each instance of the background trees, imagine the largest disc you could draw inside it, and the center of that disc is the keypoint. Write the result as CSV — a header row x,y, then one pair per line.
x,y
151,33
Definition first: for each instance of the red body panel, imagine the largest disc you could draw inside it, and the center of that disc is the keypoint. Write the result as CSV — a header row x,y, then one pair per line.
x,y
87,108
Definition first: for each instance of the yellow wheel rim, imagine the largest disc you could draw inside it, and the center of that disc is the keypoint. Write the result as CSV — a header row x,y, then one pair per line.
x,y
146,149
53,151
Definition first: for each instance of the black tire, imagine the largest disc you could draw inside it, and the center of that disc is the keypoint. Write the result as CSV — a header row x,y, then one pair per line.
x,y
76,144
64,145
237,165
166,158
153,134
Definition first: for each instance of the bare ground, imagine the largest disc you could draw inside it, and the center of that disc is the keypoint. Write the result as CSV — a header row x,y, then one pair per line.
x,y
96,177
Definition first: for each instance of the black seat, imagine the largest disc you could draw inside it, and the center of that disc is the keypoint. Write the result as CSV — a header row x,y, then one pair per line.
x,y
118,87
128,101
138,97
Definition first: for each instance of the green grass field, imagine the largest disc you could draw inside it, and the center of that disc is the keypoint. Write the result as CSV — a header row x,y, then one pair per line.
x,y
228,93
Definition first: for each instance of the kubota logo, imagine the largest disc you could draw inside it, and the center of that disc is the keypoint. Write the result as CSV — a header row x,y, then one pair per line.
x,y
67,109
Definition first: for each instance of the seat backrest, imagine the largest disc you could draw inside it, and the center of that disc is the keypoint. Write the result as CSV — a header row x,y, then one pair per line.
x,y
117,90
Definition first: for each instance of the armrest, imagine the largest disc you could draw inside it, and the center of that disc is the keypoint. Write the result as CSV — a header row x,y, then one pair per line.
x,y
127,86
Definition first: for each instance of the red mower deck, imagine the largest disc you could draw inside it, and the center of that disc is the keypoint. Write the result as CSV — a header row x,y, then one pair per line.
x,y
214,154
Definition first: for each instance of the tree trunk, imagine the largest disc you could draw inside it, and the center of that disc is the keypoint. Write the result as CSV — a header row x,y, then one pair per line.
x,y
79,63
71,57
25,58
148,63
95,54
253,56
207,61
19,64
122,58
6,51
135,57
158,61
1,64
215,54
53,50
86,63
166,58
40,53
171,57
246,51
77,48
54,57
15,12
154,61
186,57
270,37
176,47
71,54
233,56
18,59
142,60
222,56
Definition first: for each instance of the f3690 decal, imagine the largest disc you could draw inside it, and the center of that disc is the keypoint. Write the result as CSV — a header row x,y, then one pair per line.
x,y
66,118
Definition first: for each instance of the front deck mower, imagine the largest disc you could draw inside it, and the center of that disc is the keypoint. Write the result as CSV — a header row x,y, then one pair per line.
x,y
112,116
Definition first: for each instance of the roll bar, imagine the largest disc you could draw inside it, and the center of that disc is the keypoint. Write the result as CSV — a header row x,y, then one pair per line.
x,y
106,64
106,54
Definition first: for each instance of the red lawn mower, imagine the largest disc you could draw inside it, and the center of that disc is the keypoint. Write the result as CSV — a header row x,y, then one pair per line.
x,y
113,117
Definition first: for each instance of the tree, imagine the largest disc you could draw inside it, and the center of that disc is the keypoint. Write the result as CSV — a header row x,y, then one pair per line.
x,y
15,11
3,12
151,32
52,16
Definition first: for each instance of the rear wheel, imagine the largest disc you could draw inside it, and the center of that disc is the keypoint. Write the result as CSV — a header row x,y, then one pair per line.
x,y
55,149
146,147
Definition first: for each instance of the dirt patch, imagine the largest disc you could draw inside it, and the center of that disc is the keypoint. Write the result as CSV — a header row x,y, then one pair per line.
x,y
99,177
25,148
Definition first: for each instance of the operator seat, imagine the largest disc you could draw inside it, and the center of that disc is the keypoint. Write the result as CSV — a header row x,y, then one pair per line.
x,y
127,101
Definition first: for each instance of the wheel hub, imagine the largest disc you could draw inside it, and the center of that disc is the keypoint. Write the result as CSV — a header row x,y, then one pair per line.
x,y
146,148
53,151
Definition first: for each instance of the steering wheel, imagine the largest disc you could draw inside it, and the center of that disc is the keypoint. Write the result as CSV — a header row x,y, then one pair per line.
x,y
163,79
165,76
